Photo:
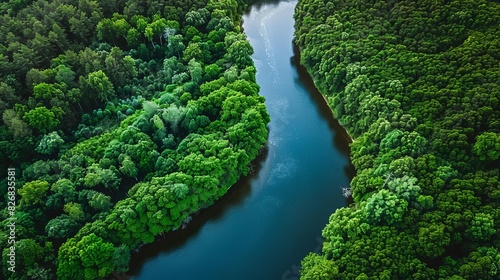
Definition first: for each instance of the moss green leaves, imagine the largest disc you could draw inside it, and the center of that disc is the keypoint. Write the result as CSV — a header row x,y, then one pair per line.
x,y
487,146
42,119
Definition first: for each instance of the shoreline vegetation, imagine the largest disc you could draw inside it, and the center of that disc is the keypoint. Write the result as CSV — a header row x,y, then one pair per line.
x,y
122,119
416,84
344,130
297,53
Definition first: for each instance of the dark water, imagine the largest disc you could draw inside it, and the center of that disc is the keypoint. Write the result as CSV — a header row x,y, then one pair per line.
x,y
270,220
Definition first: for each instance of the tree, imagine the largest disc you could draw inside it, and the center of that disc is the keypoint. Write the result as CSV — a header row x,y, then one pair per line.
x,y
158,28
75,211
106,30
432,240
99,176
120,68
16,124
487,146
385,206
69,264
175,45
133,37
62,227
402,166
317,268
212,72
23,59
148,33
171,29
98,85
33,192
239,52
231,74
90,61
171,66
49,143
65,75
197,18
8,96
79,25
100,202
121,26
173,115
64,191
149,108
42,119
25,225
180,190
28,253
404,188
483,227
121,258
195,71
95,256
128,168
193,51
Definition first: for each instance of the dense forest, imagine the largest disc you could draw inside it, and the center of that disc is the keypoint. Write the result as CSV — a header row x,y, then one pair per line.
x,y
416,84
119,119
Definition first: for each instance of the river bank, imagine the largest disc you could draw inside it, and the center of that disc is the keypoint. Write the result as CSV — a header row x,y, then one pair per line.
x,y
302,68
280,210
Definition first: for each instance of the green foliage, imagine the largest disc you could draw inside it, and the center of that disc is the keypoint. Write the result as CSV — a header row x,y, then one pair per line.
x,y
33,192
96,256
98,85
416,86
42,119
16,124
180,190
385,206
432,240
112,94
405,188
487,146
128,168
315,267
91,258
75,211
28,253
49,143
100,176
482,228
62,227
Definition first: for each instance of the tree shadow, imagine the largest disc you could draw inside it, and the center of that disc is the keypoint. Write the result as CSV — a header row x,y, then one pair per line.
x,y
174,240
341,138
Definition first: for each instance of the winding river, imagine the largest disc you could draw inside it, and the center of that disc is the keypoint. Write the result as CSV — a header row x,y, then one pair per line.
x,y
272,218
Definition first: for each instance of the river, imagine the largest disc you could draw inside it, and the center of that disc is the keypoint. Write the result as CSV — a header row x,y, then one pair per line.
x,y
272,218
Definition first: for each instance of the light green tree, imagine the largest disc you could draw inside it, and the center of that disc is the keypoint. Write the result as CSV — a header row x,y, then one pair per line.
x,y
384,206
482,228
487,146
42,119
33,192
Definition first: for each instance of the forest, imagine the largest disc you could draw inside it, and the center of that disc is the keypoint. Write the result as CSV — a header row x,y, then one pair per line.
x,y
416,84
119,120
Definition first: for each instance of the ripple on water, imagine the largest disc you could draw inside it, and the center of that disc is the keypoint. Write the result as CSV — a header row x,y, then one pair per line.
x,y
286,168
271,60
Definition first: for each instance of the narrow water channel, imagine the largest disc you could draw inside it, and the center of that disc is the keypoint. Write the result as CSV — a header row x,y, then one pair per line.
x,y
271,219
